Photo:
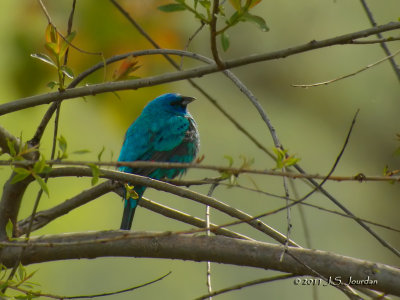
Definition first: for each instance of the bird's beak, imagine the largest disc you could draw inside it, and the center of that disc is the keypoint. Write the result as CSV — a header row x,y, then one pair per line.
x,y
186,100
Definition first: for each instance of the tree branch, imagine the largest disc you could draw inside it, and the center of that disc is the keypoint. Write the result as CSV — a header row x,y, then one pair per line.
x,y
191,73
163,186
201,248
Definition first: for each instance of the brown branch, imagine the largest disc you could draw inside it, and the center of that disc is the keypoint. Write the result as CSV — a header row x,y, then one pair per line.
x,y
213,34
190,73
44,217
360,177
159,185
202,248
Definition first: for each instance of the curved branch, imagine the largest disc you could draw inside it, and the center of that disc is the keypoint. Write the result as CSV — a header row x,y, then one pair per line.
x,y
202,248
163,186
191,73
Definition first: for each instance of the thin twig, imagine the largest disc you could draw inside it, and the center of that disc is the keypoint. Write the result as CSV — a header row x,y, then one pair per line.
x,y
347,75
213,34
246,284
380,36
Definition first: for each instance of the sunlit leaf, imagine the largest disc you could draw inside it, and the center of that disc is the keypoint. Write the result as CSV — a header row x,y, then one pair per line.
x,y
236,4
83,151
67,71
130,192
66,43
53,48
52,84
20,174
230,160
51,34
11,147
253,3
21,271
95,173
128,66
45,58
100,153
9,229
62,145
39,165
259,21
225,41
205,3
172,7
42,184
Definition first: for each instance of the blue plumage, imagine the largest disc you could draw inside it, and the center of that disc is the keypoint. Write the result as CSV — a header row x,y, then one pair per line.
x,y
165,131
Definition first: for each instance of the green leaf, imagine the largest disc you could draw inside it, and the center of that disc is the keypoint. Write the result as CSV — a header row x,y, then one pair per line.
x,y
62,144
21,271
52,84
130,192
66,43
260,22
205,3
20,175
39,165
225,41
172,7
42,184
9,229
45,58
100,153
67,72
95,172
83,151
230,160
11,147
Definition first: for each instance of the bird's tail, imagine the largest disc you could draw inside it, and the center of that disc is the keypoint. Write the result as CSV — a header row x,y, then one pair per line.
x,y
129,212
130,205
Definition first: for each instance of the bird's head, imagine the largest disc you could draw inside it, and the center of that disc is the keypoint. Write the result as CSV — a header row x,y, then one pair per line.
x,y
172,103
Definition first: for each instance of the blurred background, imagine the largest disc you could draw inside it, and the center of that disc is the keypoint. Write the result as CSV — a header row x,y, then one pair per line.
x,y
312,123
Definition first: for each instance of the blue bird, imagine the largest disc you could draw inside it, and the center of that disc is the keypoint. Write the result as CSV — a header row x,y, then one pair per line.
x,y
165,132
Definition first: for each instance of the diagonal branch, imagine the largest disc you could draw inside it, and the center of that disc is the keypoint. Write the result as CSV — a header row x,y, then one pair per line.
x,y
163,186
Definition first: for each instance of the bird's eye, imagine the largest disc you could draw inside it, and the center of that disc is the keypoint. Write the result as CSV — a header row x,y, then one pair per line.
x,y
177,103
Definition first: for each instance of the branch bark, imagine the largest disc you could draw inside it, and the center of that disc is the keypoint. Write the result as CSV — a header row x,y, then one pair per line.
x,y
201,248
191,73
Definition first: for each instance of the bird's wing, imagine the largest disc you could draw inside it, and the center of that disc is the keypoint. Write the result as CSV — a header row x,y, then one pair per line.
x,y
173,142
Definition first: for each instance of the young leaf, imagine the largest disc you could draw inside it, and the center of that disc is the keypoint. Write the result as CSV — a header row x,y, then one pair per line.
x,y
21,271
95,172
230,160
52,84
236,4
11,147
45,58
66,43
225,41
128,66
260,22
100,153
39,165
42,184
67,72
83,151
172,7
51,34
20,175
130,192
9,229
62,144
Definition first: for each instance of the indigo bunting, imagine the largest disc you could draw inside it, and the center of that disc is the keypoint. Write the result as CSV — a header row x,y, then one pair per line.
x,y
165,132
